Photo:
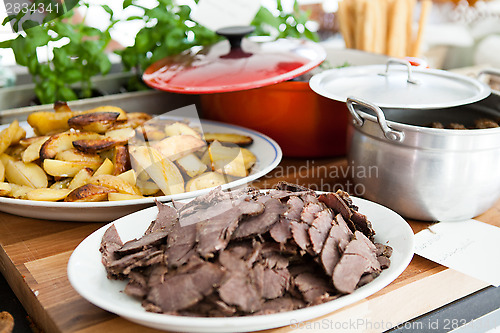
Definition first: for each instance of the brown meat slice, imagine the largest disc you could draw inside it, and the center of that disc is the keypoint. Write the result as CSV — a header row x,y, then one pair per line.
x,y
337,204
358,258
110,243
295,206
180,244
142,243
310,212
214,234
165,221
318,232
282,304
260,224
383,250
182,290
281,231
286,186
362,224
384,262
124,265
309,197
311,286
275,282
340,235
300,235
137,286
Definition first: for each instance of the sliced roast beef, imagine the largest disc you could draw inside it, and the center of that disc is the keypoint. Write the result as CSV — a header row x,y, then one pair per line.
x,y
260,224
294,208
320,227
358,258
137,285
309,197
281,231
310,212
311,286
110,243
275,282
336,203
142,243
285,186
281,304
165,221
180,244
125,264
362,224
339,236
181,291
238,290
383,250
300,235
384,262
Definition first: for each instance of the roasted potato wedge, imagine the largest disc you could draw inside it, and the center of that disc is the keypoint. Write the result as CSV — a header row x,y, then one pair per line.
x,y
46,122
2,171
5,189
123,196
18,136
61,184
238,139
191,165
58,168
48,194
248,158
63,141
98,122
74,155
111,139
177,146
128,176
179,128
8,136
27,174
19,191
147,187
121,159
81,178
89,193
115,183
134,119
60,106
109,108
163,172
150,133
106,168
205,180
32,152
227,160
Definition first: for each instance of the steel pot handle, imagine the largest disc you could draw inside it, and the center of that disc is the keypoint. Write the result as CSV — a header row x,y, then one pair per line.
x,y
400,62
389,133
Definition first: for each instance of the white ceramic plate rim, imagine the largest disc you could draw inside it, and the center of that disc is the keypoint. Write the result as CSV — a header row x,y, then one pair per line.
x,y
150,200
87,254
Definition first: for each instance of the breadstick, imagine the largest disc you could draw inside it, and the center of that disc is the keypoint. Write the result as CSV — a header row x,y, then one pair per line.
x,y
380,34
344,24
397,29
424,13
409,27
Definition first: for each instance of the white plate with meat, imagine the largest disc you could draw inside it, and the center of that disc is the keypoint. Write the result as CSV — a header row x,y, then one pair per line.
x,y
88,275
266,150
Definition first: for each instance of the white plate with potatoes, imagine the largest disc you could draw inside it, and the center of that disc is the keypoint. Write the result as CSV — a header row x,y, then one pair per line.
x,y
82,175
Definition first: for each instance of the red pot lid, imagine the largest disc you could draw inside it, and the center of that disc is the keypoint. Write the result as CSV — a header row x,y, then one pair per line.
x,y
234,64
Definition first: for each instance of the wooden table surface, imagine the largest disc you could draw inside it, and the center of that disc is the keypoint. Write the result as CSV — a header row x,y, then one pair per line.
x,y
34,254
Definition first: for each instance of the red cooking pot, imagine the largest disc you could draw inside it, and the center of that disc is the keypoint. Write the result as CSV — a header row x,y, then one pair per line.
x,y
241,81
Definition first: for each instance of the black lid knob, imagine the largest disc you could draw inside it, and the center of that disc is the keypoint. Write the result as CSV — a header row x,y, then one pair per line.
x,y
235,34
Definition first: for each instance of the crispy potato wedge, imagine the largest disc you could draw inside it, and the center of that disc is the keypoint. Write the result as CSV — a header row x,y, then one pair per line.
x,y
58,168
111,139
109,108
134,119
81,178
179,128
18,136
115,183
238,139
19,191
177,146
5,189
98,122
128,176
27,174
28,141
61,184
191,165
74,155
248,158
150,133
205,180
8,135
227,160
163,172
89,193
147,187
121,159
60,106
48,194
46,122
15,151
63,141
32,152
2,171
123,196
106,168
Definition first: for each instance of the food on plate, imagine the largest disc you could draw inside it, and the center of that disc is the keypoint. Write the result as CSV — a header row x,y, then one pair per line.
x,y
108,154
481,123
247,253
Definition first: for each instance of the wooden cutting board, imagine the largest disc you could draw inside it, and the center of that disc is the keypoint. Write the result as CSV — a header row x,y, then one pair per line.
x,y
34,254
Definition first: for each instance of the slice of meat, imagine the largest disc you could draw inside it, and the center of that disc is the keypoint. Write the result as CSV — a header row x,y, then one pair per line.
x,y
335,202
367,278
238,290
165,221
180,244
309,197
339,236
300,235
281,231
362,224
285,186
137,285
311,286
214,234
384,262
275,282
281,304
320,227
358,258
260,224
110,243
383,250
142,243
125,264
180,291
347,199
294,208
310,212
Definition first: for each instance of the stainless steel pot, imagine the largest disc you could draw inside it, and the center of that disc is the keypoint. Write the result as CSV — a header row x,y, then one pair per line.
x,y
422,173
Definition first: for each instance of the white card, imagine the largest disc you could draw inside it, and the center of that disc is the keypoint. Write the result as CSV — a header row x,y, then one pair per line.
x,y
216,14
470,247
